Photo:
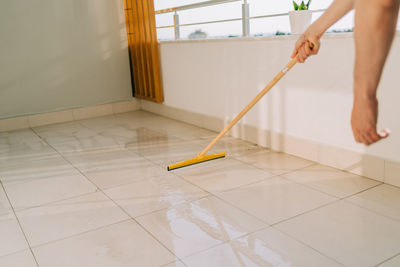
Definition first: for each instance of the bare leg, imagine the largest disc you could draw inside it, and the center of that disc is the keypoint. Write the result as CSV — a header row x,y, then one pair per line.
x,y
375,25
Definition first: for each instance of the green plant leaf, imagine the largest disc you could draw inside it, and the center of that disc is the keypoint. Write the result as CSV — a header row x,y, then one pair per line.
x,y
295,5
302,6
308,4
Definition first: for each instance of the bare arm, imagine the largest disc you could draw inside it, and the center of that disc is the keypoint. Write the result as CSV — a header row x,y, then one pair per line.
x,y
335,11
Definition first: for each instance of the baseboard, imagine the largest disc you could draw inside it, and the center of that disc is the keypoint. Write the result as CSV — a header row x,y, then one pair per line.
x,y
362,164
36,120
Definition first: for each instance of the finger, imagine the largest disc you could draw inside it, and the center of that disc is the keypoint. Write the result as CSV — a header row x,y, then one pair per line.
x,y
297,45
304,50
315,42
301,56
366,140
303,53
356,136
295,52
308,50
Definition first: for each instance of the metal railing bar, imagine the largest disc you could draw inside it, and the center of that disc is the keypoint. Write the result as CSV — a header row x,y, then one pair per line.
x,y
201,23
236,19
281,14
210,22
164,27
195,5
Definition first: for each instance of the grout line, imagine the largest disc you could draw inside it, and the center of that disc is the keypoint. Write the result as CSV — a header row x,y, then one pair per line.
x,y
388,259
179,261
305,212
82,233
372,211
19,224
305,244
329,194
123,210
362,191
54,202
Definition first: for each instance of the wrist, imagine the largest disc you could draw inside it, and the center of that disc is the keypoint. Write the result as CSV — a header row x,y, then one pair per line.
x,y
315,30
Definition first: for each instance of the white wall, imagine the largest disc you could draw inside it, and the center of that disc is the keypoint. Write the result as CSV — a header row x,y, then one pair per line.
x,y
61,54
313,102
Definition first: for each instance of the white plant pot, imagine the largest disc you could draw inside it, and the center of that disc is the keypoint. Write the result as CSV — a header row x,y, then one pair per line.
x,y
300,20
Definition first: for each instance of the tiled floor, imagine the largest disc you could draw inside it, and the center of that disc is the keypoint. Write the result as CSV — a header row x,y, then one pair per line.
x,y
97,193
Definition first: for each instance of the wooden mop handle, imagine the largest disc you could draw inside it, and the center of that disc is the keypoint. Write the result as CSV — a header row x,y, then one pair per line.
x,y
250,105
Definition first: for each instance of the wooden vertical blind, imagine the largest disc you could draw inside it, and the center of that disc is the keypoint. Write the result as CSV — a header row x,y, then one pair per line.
x,y
143,47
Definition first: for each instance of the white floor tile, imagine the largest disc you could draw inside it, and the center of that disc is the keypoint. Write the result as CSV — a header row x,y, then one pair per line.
x,y
19,137
12,238
42,181
110,168
392,173
277,163
331,181
101,123
222,174
170,152
352,235
234,147
70,217
182,130
394,262
5,207
72,136
267,247
195,226
19,259
16,154
383,199
122,244
175,264
148,137
275,199
154,193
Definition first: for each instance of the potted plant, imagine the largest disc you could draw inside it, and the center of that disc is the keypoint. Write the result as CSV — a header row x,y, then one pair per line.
x,y
300,18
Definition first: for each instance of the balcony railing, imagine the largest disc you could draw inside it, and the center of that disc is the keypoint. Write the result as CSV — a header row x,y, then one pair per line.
x,y
245,18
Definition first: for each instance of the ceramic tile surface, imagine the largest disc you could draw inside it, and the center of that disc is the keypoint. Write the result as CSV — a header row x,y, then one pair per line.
x,y
18,259
175,264
331,181
12,239
122,244
352,235
195,226
114,167
223,174
42,181
277,163
96,192
383,199
275,199
154,193
267,247
69,217
393,262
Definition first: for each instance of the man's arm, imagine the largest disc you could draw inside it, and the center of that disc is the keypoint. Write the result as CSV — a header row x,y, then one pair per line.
x,y
375,25
335,11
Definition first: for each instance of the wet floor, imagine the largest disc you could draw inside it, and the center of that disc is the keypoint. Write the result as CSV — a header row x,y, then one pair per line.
x,y
97,192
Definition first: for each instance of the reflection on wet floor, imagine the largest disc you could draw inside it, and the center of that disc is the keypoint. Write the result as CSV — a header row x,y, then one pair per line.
x,y
96,192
